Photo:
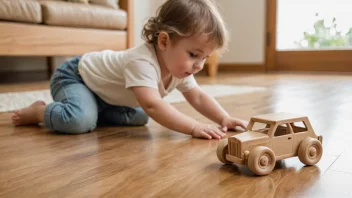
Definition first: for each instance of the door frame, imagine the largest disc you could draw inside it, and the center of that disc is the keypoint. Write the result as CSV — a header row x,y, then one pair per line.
x,y
305,60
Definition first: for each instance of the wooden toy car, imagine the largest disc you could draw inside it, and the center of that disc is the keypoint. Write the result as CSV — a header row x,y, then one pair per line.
x,y
272,137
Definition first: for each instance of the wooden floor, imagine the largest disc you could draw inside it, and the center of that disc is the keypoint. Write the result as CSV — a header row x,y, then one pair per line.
x,y
153,161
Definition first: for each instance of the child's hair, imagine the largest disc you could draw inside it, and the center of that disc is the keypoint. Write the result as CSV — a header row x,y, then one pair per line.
x,y
186,18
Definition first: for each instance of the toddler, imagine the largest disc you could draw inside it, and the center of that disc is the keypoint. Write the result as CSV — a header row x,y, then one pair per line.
x,y
127,87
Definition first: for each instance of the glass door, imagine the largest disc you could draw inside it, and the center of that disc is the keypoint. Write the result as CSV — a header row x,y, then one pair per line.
x,y
309,35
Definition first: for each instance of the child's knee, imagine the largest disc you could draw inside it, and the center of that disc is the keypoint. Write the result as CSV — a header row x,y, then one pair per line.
x,y
143,120
140,119
78,124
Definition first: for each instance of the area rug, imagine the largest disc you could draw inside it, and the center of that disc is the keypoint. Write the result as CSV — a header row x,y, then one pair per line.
x,y
16,100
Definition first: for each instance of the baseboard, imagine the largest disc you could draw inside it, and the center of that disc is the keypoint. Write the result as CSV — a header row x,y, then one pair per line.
x,y
248,68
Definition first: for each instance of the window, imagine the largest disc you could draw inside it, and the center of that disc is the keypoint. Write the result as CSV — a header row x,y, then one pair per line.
x,y
282,130
299,127
319,24
261,127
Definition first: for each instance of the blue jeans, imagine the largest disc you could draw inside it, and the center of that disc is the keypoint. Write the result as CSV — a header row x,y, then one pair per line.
x,y
76,109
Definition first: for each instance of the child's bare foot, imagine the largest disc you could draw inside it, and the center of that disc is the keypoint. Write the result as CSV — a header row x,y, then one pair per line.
x,y
32,114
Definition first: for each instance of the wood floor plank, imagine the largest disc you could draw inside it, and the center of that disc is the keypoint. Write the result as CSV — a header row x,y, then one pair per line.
x,y
153,161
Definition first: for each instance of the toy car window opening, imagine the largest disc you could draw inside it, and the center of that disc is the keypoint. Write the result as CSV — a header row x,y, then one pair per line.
x,y
261,127
299,127
282,130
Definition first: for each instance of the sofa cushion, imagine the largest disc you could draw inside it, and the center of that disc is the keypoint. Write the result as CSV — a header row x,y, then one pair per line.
x,y
83,15
20,10
108,3
79,1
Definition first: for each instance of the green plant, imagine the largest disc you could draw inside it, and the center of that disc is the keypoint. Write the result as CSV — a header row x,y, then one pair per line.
x,y
325,36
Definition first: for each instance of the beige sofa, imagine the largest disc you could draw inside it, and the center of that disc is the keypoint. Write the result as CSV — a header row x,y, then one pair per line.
x,y
63,28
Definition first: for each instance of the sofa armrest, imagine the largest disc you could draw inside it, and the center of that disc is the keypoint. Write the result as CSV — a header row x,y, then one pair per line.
x,y
128,5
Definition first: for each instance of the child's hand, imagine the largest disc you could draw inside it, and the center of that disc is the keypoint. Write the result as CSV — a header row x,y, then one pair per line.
x,y
231,123
207,131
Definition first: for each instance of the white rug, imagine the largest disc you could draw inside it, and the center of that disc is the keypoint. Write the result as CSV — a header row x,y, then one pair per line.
x,y
17,100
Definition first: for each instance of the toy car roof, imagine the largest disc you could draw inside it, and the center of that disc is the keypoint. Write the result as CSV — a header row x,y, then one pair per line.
x,y
279,117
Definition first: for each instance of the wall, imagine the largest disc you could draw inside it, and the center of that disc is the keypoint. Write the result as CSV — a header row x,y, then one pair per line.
x,y
144,10
245,19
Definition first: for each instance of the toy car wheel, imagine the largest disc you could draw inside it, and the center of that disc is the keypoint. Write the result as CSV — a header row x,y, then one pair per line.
x,y
222,150
261,160
310,151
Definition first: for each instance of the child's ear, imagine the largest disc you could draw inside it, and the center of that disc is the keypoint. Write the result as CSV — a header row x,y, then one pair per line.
x,y
163,40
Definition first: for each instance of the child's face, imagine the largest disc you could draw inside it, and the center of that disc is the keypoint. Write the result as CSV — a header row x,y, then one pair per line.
x,y
186,56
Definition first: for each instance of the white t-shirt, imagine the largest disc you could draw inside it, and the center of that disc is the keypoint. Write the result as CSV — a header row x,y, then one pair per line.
x,y
109,74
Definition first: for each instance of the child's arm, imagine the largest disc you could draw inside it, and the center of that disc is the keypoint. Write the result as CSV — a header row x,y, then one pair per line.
x,y
166,115
210,108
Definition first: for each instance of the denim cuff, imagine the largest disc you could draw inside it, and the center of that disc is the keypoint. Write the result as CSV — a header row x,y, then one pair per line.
x,y
48,114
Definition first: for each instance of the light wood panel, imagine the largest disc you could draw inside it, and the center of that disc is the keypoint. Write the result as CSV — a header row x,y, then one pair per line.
x,y
41,40
270,51
153,161
324,60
